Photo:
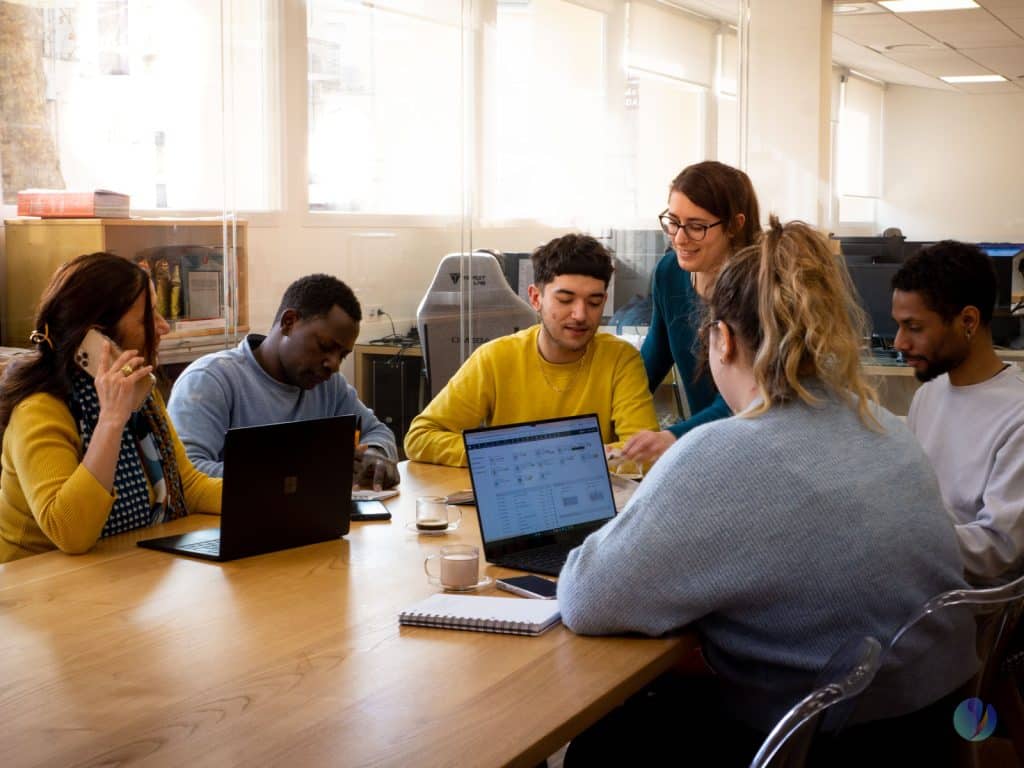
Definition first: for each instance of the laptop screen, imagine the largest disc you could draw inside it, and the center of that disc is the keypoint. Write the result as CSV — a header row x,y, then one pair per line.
x,y
539,477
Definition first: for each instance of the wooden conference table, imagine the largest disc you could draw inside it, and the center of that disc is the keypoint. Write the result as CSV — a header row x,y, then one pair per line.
x,y
126,655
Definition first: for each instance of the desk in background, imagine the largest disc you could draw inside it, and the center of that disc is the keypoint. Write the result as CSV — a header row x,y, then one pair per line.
x,y
389,379
292,658
897,384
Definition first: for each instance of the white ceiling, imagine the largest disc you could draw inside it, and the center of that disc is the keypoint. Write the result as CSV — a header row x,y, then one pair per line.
x,y
917,48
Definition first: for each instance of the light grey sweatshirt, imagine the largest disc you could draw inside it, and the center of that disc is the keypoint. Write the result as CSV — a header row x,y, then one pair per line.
x,y
230,389
779,538
974,437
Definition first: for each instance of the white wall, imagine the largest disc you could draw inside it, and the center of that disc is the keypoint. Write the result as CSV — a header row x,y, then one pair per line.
x,y
953,165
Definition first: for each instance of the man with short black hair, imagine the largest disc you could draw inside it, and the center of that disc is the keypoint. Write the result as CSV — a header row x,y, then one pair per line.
x,y
290,374
559,367
969,416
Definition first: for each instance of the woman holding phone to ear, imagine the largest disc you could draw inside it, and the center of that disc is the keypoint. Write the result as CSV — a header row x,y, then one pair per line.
x,y
712,212
91,454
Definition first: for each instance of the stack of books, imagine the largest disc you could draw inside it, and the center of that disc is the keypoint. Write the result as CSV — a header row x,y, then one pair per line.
x,y
62,204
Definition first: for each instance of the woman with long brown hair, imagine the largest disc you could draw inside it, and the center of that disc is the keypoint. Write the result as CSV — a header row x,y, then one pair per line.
x,y
712,213
87,457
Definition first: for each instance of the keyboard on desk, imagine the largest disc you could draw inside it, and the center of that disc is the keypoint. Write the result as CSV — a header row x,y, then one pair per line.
x,y
209,547
548,560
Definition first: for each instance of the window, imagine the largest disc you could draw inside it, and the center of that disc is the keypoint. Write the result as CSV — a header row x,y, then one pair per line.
x,y
139,95
728,143
386,106
671,58
860,150
546,118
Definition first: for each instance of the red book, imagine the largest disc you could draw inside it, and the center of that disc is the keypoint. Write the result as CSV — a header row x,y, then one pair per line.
x,y
59,203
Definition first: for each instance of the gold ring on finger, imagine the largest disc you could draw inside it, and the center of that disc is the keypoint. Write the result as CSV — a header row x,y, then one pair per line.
x,y
127,370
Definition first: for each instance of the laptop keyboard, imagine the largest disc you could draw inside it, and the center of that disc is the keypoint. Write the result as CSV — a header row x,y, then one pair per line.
x,y
548,560
209,547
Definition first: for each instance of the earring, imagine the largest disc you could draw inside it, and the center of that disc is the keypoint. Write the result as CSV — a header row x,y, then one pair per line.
x,y
967,333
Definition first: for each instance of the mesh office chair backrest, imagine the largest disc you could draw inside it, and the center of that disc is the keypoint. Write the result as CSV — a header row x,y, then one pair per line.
x,y
846,674
469,302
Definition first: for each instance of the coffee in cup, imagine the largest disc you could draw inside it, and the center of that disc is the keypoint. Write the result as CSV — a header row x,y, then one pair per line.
x,y
434,514
459,567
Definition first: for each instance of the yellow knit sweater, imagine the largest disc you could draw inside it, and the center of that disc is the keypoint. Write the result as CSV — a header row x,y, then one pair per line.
x,y
507,381
48,500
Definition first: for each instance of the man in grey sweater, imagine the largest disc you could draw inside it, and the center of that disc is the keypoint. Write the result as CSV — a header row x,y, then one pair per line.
x,y
290,374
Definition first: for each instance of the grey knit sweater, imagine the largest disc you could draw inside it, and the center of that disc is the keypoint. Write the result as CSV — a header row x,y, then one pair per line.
x,y
778,538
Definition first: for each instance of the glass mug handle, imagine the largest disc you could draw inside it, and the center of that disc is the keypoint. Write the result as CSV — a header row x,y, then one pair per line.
x,y
458,515
426,568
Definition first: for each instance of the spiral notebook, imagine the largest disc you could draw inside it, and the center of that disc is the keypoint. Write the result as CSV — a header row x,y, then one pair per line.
x,y
508,615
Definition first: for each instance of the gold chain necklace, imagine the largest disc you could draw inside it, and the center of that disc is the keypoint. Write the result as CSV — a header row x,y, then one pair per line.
x,y
572,379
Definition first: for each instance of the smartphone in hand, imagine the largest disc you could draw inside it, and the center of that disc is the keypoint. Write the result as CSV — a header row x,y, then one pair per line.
x,y
88,357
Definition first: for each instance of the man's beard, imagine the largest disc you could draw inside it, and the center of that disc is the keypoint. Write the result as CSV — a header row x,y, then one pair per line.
x,y
936,368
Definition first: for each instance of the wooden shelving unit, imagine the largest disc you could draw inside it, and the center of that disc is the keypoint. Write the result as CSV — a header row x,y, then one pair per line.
x,y
36,247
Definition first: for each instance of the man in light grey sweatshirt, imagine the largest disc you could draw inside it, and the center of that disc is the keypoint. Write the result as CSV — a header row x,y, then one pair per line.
x,y
969,416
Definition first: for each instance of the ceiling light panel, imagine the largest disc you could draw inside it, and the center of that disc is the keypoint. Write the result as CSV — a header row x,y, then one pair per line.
x,y
956,79
918,6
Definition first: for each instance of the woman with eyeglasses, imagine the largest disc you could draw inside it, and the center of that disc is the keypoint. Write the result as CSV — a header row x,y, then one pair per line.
x,y
810,518
712,212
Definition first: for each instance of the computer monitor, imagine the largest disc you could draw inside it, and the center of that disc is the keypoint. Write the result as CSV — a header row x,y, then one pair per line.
x,y
1004,257
872,250
874,290
518,271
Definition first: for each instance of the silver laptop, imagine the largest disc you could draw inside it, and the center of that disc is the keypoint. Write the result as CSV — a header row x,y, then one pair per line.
x,y
541,488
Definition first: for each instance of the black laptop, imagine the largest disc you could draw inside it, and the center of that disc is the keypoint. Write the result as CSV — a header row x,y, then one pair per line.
x,y
285,485
541,488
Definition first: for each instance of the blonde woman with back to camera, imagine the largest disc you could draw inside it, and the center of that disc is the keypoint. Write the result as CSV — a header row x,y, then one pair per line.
x,y
809,518
87,456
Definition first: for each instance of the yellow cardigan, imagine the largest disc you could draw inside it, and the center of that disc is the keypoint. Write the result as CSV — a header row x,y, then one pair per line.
x,y
49,500
506,381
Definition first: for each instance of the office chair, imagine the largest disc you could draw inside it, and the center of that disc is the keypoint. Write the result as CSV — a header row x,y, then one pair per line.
x,y
469,302
951,649
846,674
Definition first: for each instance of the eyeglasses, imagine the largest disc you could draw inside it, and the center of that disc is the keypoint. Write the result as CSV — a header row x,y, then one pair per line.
x,y
670,225
704,333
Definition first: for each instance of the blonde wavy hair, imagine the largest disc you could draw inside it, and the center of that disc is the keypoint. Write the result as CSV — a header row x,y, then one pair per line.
x,y
792,302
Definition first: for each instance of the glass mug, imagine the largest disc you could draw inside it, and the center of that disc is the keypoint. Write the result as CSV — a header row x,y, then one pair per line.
x,y
434,514
459,567
627,468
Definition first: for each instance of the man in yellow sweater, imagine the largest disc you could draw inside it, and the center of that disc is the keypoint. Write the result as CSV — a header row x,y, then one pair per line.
x,y
560,367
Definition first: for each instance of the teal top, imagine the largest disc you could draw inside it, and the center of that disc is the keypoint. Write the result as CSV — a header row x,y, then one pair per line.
x,y
672,339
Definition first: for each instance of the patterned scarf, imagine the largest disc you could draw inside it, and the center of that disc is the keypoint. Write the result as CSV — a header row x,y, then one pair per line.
x,y
146,453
